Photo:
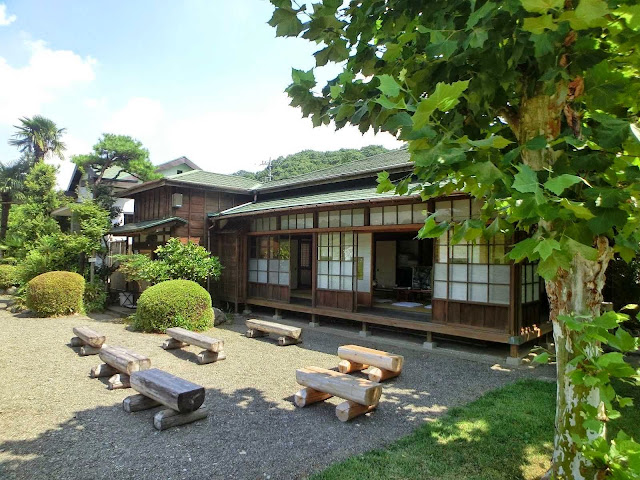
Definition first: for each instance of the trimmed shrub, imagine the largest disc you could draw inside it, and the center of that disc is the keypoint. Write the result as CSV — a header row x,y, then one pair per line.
x,y
55,293
8,276
174,303
95,297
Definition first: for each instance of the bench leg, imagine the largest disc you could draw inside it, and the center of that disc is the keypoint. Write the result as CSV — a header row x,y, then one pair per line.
x,y
348,410
380,374
103,370
172,343
119,380
170,418
315,322
89,350
284,341
364,332
309,395
347,366
210,357
251,333
76,342
277,315
136,403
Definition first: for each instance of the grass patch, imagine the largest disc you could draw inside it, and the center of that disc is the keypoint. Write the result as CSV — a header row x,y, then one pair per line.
x,y
506,434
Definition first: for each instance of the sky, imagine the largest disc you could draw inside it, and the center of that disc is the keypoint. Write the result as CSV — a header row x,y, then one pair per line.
x,y
199,78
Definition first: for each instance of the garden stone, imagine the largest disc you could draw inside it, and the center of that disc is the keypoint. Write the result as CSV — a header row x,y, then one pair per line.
x,y
218,317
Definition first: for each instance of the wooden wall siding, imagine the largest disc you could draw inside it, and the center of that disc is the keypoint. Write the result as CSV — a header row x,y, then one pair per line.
x,y
494,317
269,291
365,299
341,300
152,204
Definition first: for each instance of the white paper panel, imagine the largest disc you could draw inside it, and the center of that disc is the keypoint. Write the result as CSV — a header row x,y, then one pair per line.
x,y
479,273
323,219
253,276
284,279
457,291
375,216
334,282
458,273
334,268
478,292
499,294
499,274
404,214
440,290
323,281
262,277
284,266
262,264
253,264
358,217
346,283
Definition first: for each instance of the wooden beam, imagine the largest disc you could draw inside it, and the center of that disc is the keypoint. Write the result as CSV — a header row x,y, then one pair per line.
x,y
346,366
102,370
195,338
124,360
136,403
308,395
209,357
170,418
369,356
173,392
272,327
89,336
380,374
348,410
344,386
119,380
172,344
89,350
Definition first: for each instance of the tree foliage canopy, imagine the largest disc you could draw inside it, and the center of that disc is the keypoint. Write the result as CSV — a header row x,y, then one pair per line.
x,y
310,160
38,136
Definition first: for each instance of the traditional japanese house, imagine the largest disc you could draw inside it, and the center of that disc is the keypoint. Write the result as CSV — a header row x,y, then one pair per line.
x,y
327,244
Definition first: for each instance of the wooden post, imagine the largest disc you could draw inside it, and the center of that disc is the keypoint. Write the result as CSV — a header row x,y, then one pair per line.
x,y
103,370
277,315
76,342
380,375
284,341
118,381
172,344
89,350
209,357
315,320
173,392
251,333
364,332
347,366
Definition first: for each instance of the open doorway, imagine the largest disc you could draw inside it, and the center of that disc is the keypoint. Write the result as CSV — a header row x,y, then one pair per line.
x,y
301,277
402,272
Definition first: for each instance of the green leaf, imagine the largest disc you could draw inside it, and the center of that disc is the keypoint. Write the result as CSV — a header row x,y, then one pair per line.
x,y
546,246
536,143
606,219
542,44
480,13
608,321
485,172
543,358
560,183
523,249
577,248
538,25
388,85
541,6
548,269
432,229
578,209
612,132
445,97
286,22
478,37
588,14
494,141
526,181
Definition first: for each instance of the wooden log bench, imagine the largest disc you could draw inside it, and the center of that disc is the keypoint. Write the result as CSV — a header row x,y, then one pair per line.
x,y
182,398
89,341
287,335
180,337
382,365
119,364
361,396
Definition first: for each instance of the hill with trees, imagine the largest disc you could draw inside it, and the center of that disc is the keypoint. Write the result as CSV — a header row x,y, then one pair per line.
x,y
310,160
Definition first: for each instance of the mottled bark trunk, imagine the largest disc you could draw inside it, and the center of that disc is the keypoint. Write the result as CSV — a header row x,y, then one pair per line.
x,y
4,216
577,291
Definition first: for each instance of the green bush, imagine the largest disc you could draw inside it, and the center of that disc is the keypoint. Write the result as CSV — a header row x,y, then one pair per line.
x,y
55,293
8,276
174,303
95,297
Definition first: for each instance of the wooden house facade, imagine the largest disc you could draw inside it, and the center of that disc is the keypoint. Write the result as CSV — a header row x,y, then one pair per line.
x,y
327,244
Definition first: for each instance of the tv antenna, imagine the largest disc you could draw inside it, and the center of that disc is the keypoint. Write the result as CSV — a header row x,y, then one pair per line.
x,y
268,164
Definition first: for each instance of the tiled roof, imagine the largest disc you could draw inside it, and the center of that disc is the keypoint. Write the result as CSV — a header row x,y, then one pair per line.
x,y
210,179
146,225
374,163
351,195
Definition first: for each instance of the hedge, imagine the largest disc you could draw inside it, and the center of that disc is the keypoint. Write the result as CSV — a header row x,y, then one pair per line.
x,y
55,293
174,303
8,276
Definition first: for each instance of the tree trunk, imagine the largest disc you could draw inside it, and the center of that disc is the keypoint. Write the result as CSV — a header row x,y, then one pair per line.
x,y
4,216
578,291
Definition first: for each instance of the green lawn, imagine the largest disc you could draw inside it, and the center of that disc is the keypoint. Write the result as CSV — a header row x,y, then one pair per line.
x,y
506,434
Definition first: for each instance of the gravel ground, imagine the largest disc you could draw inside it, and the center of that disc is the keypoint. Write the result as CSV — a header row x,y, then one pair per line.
x,y
57,423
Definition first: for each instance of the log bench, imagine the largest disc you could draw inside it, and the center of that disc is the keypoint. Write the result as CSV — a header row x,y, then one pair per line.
x,y
89,341
361,396
382,365
119,364
287,335
180,337
182,398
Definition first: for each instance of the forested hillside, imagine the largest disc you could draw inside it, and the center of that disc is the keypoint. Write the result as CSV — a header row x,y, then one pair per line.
x,y
310,160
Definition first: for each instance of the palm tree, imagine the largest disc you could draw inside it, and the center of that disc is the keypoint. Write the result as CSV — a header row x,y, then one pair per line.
x,y
39,136
11,185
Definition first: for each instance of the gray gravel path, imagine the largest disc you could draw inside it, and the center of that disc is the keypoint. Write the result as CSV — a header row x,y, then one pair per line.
x,y
57,423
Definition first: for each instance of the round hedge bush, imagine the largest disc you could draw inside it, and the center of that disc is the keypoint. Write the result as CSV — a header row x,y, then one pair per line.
x,y
174,303
55,293
8,276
